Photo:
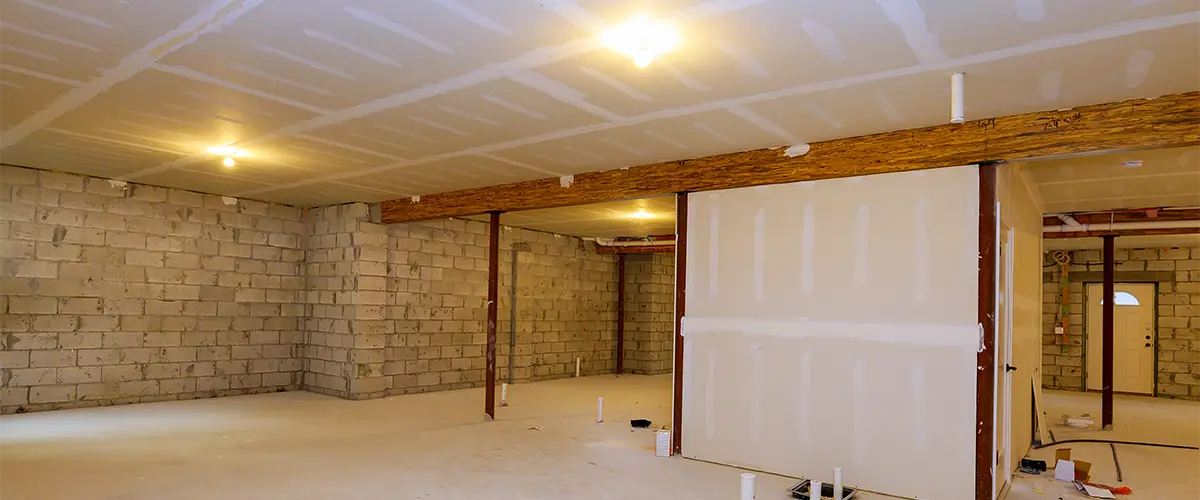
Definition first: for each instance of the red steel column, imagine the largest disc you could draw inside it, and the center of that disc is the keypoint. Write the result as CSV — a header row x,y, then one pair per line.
x,y
985,373
1106,310
489,399
620,313
681,219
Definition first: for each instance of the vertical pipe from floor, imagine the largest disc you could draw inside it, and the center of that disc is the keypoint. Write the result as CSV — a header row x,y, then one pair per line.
x,y
681,223
985,358
489,398
620,313
512,316
1106,350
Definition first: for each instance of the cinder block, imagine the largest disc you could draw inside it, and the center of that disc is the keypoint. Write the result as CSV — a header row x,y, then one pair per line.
x,y
51,394
61,182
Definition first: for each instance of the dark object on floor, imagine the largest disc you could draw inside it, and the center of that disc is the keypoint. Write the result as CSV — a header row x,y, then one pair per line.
x,y
800,490
1031,466
640,422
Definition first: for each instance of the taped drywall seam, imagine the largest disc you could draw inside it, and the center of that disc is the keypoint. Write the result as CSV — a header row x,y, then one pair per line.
x,y
758,380
921,268
928,334
862,243
760,250
710,395
862,428
714,244
802,412
807,244
918,403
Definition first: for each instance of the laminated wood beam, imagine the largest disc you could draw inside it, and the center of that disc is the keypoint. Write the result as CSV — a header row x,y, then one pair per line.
x,y
1138,215
617,249
1166,121
1122,232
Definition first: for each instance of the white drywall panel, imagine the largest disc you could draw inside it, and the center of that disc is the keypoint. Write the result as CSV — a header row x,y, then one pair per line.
x,y
833,324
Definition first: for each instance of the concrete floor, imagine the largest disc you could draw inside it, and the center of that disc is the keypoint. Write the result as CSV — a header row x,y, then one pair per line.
x,y
300,445
1157,473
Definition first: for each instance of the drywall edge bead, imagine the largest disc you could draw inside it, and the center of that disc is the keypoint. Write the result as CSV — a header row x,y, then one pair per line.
x,y
796,328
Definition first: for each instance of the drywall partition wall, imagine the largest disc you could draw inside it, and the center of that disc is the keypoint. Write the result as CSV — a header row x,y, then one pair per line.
x,y
1021,213
833,324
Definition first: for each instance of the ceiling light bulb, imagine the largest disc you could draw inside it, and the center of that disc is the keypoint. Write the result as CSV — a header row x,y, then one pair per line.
x,y
228,161
642,39
641,214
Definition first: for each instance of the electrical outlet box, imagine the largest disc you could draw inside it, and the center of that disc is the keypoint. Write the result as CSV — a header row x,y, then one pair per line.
x,y
1058,330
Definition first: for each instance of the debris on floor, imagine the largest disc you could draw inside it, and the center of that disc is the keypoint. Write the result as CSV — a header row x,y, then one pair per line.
x,y
536,428
1093,491
801,491
1081,421
640,423
1031,466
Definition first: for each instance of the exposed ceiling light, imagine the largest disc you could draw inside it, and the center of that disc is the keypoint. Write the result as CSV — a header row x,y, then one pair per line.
x,y
1132,164
229,152
641,38
641,214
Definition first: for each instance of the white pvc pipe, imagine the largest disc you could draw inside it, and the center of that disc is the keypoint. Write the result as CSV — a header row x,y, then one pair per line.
x,y
1114,226
1068,220
837,483
576,367
599,410
747,486
956,98
504,394
814,490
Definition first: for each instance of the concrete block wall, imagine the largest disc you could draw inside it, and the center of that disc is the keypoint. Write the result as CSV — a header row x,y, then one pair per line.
x,y
1177,273
649,312
115,293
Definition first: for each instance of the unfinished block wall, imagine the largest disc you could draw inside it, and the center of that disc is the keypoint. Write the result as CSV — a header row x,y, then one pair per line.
x,y
649,312
116,293
402,308
1177,273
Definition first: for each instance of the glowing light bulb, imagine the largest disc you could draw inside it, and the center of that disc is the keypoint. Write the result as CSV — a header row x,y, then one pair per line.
x,y
642,39
228,161
641,214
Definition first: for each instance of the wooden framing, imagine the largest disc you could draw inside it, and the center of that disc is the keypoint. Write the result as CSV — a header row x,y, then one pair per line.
x,y
1122,232
1139,215
985,373
620,249
1166,121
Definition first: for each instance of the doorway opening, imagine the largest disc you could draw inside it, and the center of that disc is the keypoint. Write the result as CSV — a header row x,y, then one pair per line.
x,y
1135,338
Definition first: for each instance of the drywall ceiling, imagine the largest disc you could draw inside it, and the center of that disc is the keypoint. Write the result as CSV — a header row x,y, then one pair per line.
x,y
363,100
640,217
1165,178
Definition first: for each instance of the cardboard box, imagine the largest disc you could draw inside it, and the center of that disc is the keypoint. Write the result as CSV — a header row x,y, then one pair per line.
x,y
1083,470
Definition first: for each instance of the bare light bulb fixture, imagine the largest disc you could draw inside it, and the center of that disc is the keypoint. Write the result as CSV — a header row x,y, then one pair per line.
x,y
229,152
642,39
641,214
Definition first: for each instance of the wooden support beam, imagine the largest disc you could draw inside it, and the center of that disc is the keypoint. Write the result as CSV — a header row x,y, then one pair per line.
x,y
493,291
1166,121
681,230
1106,348
622,249
1122,232
1138,215
985,373
620,313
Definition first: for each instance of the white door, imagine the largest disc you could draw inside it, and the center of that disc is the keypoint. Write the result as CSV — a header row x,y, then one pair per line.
x,y
1133,337
1003,418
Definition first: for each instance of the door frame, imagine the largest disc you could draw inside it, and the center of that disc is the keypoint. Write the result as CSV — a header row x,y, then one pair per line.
x,y
1002,418
1084,358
